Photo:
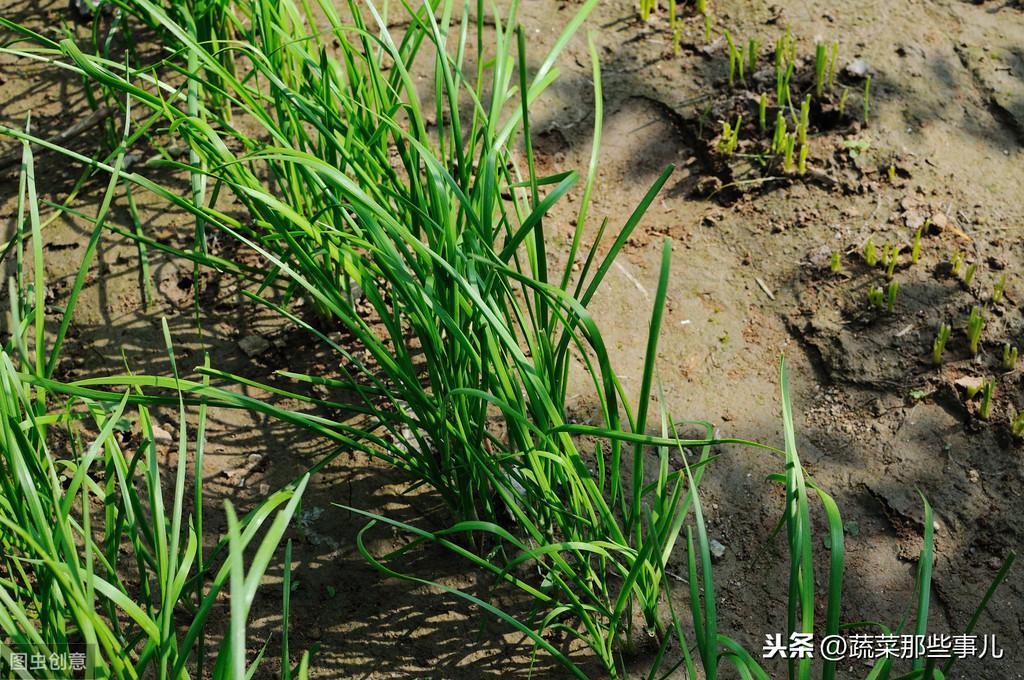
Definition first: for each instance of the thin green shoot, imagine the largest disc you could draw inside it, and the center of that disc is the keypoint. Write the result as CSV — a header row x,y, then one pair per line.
x,y
805,119
801,165
842,100
735,60
836,264
987,393
762,112
876,296
834,53
894,256
975,324
939,343
969,273
781,133
870,253
891,292
820,68
1009,357
915,250
998,290
1017,425
957,261
753,47
730,136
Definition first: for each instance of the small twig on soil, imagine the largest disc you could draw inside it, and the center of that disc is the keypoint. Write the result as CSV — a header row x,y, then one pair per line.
x,y
765,288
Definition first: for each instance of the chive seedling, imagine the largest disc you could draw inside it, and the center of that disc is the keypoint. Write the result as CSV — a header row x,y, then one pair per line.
x,y
998,289
894,288
787,159
820,64
837,263
734,57
987,392
876,296
915,251
672,16
645,9
805,117
842,100
974,325
753,47
969,273
762,112
801,163
1017,425
779,138
892,173
957,261
870,254
707,28
867,99
893,258
730,136
939,344
1009,357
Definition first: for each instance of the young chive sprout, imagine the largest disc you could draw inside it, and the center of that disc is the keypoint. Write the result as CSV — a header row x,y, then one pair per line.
x,y
998,289
969,273
1009,357
939,344
894,287
974,325
870,254
988,390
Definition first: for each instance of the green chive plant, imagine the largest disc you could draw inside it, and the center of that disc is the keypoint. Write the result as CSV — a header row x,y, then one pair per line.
x,y
730,137
893,259
870,253
969,273
939,344
1017,425
836,264
998,290
915,250
957,260
458,362
876,296
987,391
891,291
1009,357
975,323
99,550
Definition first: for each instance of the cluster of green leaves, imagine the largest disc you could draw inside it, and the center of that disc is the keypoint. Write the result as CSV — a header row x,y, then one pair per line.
x,y
459,372
93,556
